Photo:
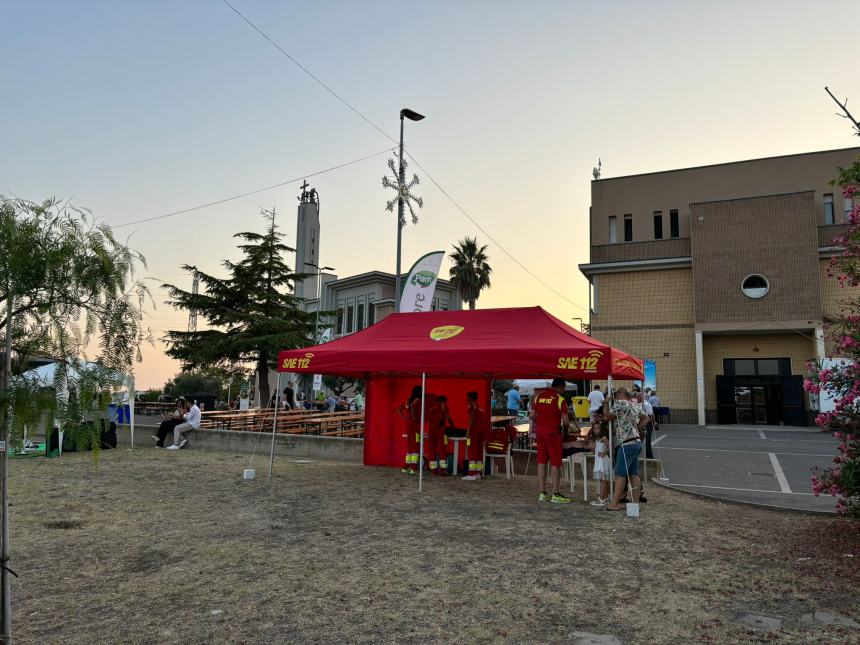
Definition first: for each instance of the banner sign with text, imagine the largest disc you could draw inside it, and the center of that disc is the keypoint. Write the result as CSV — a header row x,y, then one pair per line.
x,y
420,284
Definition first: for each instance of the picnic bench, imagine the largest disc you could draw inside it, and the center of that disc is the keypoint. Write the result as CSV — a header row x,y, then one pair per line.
x,y
288,422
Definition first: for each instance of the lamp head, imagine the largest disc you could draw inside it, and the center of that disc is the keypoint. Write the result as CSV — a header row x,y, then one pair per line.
x,y
412,115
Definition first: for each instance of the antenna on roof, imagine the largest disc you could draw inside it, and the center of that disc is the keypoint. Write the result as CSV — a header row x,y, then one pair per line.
x,y
596,170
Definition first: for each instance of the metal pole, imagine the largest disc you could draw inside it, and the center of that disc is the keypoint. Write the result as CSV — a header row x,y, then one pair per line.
x,y
274,426
421,434
399,220
319,306
5,581
611,453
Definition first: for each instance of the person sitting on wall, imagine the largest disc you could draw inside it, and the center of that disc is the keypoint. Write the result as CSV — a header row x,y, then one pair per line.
x,y
170,422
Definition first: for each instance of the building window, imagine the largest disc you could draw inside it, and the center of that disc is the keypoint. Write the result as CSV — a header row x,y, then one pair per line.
x,y
828,209
361,316
340,321
755,286
371,313
613,229
658,225
849,206
349,319
628,228
674,229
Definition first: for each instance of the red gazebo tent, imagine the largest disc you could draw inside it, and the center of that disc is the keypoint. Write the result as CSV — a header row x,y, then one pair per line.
x,y
459,351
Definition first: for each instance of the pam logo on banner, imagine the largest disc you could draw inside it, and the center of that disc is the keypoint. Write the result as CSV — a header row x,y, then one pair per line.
x,y
420,285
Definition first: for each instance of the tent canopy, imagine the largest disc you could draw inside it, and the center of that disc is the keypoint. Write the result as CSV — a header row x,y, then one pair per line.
x,y
523,342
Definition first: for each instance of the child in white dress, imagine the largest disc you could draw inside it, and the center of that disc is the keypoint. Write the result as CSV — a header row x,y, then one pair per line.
x,y
601,463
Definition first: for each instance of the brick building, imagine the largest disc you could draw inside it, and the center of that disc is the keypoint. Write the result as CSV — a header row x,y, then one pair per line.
x,y
717,274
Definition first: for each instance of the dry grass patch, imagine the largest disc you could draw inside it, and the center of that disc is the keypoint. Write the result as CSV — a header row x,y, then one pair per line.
x,y
154,547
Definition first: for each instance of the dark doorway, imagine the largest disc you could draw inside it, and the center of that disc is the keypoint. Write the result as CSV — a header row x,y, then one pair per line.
x,y
759,392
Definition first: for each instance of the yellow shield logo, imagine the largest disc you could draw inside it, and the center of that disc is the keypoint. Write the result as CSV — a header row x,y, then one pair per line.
x,y
445,332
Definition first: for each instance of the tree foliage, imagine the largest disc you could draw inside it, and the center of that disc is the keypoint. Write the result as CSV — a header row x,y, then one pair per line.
x,y
339,384
71,285
470,273
70,282
250,315
842,380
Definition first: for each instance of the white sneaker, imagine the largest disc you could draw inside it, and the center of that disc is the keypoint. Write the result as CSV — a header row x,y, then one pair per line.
x,y
183,443
599,502
172,447
470,478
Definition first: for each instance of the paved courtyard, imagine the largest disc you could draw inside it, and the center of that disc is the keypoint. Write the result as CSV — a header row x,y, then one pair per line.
x,y
767,465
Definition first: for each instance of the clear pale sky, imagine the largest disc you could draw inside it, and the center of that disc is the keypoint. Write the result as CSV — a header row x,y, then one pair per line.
x,y
135,109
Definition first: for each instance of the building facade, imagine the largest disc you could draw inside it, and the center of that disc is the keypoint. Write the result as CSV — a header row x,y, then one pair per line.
x,y
307,241
718,275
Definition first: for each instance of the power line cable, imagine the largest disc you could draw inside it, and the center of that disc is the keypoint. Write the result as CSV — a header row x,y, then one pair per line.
x,y
254,192
367,120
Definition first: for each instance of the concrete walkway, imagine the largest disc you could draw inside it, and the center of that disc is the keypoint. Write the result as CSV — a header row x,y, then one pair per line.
x,y
763,465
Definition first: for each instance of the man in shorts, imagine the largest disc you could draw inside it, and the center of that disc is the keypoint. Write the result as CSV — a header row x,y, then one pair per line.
x,y
628,418
549,412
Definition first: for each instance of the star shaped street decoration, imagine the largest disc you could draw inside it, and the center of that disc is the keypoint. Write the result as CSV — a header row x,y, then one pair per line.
x,y
402,190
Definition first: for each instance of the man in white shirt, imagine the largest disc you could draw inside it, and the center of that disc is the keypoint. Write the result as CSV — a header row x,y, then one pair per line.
x,y
595,401
192,422
655,404
647,410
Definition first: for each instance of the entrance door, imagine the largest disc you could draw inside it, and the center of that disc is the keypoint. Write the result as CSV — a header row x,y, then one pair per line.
x,y
726,410
757,404
793,413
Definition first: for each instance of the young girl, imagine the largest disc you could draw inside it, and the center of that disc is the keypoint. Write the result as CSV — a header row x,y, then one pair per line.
x,y
601,462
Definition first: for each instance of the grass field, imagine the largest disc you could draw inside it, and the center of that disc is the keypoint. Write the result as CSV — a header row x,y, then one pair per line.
x,y
158,547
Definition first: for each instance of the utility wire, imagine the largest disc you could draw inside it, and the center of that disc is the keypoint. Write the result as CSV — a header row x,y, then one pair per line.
x,y
364,118
254,192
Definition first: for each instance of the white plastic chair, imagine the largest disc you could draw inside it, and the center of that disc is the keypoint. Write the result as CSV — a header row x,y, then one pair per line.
x,y
577,458
508,457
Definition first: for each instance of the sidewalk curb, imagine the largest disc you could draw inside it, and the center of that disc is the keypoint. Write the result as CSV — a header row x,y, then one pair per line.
x,y
740,502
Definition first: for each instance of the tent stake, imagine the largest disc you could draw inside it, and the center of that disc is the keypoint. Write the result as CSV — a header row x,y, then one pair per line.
x,y
274,425
421,434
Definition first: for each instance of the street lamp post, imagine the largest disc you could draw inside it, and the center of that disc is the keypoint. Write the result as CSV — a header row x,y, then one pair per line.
x,y
319,297
412,116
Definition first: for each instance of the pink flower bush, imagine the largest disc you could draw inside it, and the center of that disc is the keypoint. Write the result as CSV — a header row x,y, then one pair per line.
x,y
841,382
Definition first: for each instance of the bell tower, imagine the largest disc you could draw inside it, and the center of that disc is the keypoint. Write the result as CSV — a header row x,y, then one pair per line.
x,y
307,240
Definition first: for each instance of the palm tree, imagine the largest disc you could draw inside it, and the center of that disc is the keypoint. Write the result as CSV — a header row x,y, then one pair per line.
x,y
471,273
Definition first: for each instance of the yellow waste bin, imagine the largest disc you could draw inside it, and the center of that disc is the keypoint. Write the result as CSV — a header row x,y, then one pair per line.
x,y
580,407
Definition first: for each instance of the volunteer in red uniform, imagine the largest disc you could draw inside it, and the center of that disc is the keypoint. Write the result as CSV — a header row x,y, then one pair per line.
x,y
475,437
439,418
549,411
410,410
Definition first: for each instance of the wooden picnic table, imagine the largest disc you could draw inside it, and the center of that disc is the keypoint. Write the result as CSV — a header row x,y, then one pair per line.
x,y
501,420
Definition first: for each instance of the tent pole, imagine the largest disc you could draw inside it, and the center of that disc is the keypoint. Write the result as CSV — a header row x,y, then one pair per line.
x,y
611,454
421,434
274,426
131,406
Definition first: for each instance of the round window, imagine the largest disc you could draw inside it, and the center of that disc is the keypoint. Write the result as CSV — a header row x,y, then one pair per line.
x,y
755,286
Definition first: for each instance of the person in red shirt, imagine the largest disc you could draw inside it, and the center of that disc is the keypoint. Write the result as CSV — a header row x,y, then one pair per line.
x,y
410,410
549,412
439,418
475,437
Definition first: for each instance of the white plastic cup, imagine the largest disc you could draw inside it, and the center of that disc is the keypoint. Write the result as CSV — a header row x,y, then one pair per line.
x,y
249,473
632,509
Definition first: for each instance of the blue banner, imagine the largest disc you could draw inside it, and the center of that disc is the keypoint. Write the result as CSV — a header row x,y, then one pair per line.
x,y
650,374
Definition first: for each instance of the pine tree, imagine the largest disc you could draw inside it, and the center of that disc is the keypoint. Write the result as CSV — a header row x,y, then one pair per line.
x,y
251,315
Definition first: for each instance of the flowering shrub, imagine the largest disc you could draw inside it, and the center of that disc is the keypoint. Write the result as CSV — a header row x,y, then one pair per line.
x,y
841,381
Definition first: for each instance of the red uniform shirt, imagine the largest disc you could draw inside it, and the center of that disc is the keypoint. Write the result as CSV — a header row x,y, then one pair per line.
x,y
550,407
500,438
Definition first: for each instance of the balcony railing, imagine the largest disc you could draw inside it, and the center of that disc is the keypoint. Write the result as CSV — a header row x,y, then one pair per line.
x,y
828,232
677,247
